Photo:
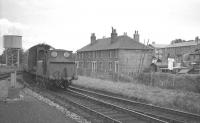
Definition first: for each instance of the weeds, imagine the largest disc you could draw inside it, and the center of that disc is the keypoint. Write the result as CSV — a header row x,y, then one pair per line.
x,y
178,99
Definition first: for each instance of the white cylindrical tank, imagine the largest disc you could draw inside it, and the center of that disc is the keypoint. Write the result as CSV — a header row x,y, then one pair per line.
x,y
12,41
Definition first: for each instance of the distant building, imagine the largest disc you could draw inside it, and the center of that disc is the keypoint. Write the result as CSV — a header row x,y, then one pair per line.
x,y
158,52
176,50
113,56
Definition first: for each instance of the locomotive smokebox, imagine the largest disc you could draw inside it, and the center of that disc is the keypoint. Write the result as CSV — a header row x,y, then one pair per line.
x,y
12,41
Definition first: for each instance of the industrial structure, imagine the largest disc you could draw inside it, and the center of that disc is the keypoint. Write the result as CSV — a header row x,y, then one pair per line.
x,y
113,56
13,50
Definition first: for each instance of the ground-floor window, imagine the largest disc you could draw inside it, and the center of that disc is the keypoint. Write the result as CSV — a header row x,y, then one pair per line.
x,y
110,66
77,64
116,66
94,66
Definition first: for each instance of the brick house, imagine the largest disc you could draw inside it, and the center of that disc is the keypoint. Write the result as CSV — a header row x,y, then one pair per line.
x,y
177,50
158,52
113,56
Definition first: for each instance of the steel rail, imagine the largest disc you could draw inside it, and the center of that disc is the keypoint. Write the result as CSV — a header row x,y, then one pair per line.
x,y
121,109
162,110
105,118
6,75
57,98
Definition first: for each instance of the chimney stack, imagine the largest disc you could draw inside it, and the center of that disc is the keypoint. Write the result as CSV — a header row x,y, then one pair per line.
x,y
93,38
113,35
136,36
197,40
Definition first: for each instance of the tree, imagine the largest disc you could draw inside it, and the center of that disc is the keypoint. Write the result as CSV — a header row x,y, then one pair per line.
x,y
177,41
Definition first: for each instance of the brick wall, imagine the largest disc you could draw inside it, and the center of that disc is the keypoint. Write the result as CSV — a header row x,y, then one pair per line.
x,y
104,62
112,62
130,61
176,52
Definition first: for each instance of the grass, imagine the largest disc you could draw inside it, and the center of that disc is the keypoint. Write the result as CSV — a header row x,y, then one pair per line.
x,y
177,99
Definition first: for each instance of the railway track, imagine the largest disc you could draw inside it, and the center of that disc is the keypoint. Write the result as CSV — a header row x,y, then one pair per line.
x,y
109,109
98,110
4,76
107,112
164,114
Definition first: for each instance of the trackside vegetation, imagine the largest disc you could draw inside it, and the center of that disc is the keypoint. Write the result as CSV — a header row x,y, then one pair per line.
x,y
157,95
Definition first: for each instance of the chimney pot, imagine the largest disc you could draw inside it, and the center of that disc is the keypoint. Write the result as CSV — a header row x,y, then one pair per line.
x,y
197,39
136,36
113,35
93,38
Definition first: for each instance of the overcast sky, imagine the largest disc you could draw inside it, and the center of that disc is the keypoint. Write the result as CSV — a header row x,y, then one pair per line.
x,y
68,24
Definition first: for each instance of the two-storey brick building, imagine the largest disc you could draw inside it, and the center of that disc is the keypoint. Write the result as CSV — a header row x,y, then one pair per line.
x,y
113,56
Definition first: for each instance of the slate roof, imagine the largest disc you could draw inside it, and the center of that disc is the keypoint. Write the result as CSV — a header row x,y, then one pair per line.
x,y
121,42
182,44
158,45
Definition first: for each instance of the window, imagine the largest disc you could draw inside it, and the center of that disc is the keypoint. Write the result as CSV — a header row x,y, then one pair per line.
x,y
79,55
110,66
86,54
89,54
110,54
194,57
99,54
116,53
100,66
77,64
94,66
116,66
95,54
80,64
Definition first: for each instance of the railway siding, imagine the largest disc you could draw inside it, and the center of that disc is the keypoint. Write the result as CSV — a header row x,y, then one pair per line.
x,y
165,114
176,99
